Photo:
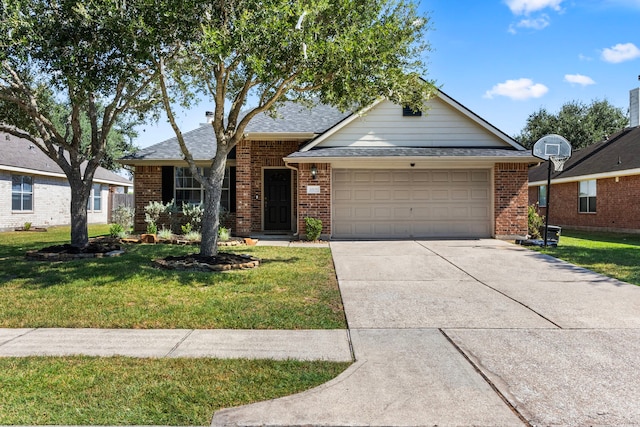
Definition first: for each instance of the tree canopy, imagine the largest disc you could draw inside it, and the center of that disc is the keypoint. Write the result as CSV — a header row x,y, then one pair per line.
x,y
345,53
579,123
70,73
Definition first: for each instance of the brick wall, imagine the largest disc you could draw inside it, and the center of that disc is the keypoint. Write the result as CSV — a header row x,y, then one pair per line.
x,y
251,158
314,205
511,198
148,188
617,207
51,204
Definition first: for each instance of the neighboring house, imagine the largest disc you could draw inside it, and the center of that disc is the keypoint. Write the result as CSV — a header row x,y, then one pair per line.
x,y
599,187
34,189
385,173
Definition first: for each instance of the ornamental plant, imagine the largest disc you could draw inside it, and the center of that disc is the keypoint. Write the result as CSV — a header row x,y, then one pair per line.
x,y
313,228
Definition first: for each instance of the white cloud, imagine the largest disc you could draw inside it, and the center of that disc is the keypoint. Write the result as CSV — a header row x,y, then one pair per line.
x,y
520,89
535,24
524,7
582,57
579,79
620,53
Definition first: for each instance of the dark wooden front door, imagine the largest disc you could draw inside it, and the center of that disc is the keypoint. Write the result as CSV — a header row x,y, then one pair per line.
x,y
277,199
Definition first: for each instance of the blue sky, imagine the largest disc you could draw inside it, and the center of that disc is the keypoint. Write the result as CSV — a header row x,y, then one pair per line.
x,y
505,59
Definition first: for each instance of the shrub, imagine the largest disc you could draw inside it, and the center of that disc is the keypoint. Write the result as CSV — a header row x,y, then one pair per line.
x,y
194,214
224,234
123,215
193,236
536,221
116,230
165,233
27,226
313,228
186,229
152,228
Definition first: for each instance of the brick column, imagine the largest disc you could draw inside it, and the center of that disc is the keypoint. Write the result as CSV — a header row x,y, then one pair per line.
x,y
511,198
243,189
148,187
314,205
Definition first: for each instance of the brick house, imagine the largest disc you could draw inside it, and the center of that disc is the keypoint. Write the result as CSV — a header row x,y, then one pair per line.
x,y
599,187
387,172
34,189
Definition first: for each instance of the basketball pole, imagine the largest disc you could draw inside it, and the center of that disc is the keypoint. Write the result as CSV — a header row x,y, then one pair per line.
x,y
546,221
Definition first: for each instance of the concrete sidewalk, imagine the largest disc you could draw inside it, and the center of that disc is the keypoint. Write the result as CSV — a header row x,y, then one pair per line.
x,y
475,332
332,345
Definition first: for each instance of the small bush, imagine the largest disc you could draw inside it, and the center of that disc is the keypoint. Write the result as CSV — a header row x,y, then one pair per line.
x,y
116,230
313,228
224,234
536,221
193,236
123,215
27,226
152,228
186,229
194,214
165,233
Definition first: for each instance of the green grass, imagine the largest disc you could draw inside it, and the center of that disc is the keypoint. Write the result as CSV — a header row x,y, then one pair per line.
x,y
294,288
612,254
120,391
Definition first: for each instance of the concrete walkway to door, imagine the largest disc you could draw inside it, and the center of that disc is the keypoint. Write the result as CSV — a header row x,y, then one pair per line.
x,y
477,332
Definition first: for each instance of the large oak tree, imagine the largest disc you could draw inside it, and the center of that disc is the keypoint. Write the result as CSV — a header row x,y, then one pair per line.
x,y
346,53
72,71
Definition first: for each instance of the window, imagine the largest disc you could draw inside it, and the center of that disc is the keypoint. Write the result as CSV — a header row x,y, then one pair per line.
x,y
587,196
408,112
188,189
542,196
94,204
21,193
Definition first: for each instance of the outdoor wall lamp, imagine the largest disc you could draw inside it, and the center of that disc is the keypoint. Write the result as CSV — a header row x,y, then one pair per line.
x,y
314,172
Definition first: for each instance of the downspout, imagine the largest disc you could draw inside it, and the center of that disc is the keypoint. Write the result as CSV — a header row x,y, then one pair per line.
x,y
297,233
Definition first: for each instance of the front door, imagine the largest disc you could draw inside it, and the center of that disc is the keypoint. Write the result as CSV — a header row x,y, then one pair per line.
x,y
277,199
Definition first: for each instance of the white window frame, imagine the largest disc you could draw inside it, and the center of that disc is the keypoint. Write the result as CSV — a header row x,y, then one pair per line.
x,y
195,186
587,192
22,192
91,203
542,190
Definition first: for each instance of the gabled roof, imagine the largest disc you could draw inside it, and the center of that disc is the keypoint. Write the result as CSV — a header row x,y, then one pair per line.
x,y
292,121
20,155
617,156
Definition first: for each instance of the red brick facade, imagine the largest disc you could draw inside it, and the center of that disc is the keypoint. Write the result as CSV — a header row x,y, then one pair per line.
x,y
148,188
252,157
314,205
617,207
511,196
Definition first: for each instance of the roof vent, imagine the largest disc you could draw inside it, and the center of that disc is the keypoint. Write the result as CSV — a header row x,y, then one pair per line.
x,y
634,107
209,116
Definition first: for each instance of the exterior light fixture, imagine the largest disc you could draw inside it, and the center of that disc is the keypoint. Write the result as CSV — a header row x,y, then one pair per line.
x,y
314,172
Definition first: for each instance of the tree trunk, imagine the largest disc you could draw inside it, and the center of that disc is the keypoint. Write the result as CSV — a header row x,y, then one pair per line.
x,y
79,198
212,194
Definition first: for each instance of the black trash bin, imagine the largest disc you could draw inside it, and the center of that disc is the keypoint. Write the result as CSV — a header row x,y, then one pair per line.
x,y
553,233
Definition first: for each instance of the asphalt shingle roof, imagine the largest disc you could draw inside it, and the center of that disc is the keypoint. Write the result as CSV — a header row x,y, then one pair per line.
x,y
619,153
410,152
291,118
21,153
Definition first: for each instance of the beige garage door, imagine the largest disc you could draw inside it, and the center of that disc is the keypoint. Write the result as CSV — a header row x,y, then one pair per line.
x,y
383,204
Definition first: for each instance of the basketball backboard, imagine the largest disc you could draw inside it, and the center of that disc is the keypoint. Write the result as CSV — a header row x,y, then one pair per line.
x,y
552,146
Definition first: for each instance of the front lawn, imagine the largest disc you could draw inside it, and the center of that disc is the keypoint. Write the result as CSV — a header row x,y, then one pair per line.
x,y
294,288
612,254
121,391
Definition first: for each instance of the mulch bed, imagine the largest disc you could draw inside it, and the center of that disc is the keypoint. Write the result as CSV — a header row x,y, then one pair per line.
x,y
220,262
97,248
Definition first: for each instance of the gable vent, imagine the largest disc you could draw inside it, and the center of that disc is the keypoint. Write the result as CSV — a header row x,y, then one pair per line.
x,y
408,112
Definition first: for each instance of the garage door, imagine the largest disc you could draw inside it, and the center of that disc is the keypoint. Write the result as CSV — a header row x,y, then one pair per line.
x,y
384,204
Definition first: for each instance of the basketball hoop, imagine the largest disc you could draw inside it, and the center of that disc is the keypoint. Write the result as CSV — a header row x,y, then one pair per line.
x,y
558,162
557,150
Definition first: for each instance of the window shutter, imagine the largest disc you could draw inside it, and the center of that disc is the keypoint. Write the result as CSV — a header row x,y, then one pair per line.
x,y
232,189
167,184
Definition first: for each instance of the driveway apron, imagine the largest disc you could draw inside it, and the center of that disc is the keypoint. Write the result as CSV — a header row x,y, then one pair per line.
x,y
474,332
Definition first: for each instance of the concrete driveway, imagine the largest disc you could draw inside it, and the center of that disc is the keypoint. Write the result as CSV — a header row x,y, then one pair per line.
x,y
478,332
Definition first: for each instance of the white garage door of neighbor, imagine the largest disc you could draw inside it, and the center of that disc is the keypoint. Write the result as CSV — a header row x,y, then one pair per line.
x,y
384,204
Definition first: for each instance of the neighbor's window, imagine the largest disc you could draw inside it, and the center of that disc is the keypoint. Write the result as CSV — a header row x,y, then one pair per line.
x,y
542,196
94,204
188,189
21,193
587,196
